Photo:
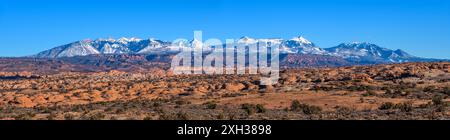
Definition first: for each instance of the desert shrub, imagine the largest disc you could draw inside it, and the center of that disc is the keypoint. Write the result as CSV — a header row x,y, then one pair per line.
x,y
163,115
437,100
324,88
358,88
228,95
441,108
386,106
307,109
260,108
406,85
388,91
310,109
102,103
220,116
361,100
369,93
401,92
446,91
230,113
183,116
429,89
156,104
396,93
252,108
295,105
210,105
439,103
119,110
341,110
427,105
405,107
182,102
160,100
69,116
6,109
97,116
248,108
25,116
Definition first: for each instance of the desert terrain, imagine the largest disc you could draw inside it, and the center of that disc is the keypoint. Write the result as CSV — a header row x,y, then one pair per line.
x,y
407,91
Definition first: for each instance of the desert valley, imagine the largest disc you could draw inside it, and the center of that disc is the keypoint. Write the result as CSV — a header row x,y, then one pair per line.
x,y
384,91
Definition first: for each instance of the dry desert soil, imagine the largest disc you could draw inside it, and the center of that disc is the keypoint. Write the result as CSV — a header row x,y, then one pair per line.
x,y
407,91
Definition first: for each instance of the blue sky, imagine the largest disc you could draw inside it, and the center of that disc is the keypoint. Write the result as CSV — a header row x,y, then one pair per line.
x,y
420,27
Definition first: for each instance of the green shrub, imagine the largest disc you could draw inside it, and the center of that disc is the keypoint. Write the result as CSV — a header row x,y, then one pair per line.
x,y
183,116
446,91
69,116
386,106
441,108
307,109
181,102
439,103
437,100
343,110
369,93
295,105
249,108
405,107
260,108
220,116
210,105
252,108
429,89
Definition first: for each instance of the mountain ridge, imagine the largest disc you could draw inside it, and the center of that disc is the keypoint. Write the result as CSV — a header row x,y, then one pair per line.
x,y
361,53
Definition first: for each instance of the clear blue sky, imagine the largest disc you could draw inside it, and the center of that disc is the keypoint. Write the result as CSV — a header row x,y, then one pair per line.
x,y
420,27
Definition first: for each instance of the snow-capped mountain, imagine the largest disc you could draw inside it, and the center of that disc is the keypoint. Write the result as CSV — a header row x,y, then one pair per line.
x,y
297,45
300,45
79,48
368,52
354,52
148,46
108,46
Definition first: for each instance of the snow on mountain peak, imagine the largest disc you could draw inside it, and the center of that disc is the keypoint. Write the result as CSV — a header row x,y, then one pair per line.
x,y
368,52
80,48
246,39
302,40
195,43
298,45
134,39
125,40
360,43
108,39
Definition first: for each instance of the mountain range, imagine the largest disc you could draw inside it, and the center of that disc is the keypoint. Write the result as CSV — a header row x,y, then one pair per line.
x,y
357,53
